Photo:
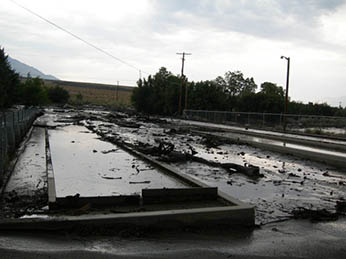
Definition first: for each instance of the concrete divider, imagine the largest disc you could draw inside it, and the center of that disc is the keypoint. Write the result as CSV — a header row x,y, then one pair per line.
x,y
165,195
50,175
75,202
165,219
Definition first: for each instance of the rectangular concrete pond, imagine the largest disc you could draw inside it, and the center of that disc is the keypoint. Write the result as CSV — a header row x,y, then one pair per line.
x,y
85,165
129,187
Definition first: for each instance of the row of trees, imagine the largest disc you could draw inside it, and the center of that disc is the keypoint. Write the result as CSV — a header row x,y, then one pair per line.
x,y
31,91
159,94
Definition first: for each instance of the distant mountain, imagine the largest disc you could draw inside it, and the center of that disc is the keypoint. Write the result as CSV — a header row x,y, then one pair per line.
x,y
23,70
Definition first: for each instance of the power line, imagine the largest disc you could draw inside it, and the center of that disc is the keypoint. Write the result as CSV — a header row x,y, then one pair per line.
x,y
77,37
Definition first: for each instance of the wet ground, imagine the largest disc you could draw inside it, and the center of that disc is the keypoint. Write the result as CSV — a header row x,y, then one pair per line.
x,y
319,138
292,239
246,138
85,164
288,185
26,191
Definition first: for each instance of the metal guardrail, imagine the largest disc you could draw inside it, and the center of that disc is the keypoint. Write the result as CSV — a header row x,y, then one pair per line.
x,y
13,127
274,121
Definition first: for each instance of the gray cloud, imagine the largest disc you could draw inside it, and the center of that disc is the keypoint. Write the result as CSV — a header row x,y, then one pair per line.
x,y
249,35
281,19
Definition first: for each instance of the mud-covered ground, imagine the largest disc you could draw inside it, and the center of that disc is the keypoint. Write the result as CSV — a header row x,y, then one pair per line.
x,y
282,188
287,186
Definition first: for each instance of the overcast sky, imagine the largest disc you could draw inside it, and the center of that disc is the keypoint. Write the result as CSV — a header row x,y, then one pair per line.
x,y
222,35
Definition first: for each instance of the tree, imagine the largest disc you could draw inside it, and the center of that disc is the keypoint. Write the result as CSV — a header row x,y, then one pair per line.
x,y
9,82
58,94
206,95
33,92
235,84
158,94
271,98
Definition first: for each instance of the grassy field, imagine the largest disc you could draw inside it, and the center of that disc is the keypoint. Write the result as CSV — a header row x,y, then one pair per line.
x,y
93,93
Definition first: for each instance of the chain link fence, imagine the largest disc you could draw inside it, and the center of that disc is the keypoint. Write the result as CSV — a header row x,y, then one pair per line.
x,y
13,127
273,121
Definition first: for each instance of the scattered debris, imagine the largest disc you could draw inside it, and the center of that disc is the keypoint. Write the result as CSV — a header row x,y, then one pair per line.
x,y
314,215
128,124
326,174
341,206
111,178
212,141
109,151
142,182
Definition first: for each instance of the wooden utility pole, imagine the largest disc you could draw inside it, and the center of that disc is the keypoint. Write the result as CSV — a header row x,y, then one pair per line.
x,y
287,84
182,83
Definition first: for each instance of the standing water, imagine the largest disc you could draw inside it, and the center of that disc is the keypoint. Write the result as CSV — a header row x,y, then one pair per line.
x,y
85,165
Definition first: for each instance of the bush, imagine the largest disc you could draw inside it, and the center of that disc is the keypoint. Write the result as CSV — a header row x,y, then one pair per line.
x,y
58,94
33,92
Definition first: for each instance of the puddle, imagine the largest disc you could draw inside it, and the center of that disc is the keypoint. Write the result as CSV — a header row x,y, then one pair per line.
x,y
84,164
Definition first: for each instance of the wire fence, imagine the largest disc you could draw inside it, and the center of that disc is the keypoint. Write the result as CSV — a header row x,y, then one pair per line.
x,y
13,127
273,121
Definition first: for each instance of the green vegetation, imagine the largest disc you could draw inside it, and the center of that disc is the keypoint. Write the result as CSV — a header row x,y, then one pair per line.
x,y
58,94
33,92
9,82
30,92
159,94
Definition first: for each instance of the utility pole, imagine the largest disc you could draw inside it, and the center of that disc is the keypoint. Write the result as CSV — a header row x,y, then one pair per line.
x,y
182,83
287,83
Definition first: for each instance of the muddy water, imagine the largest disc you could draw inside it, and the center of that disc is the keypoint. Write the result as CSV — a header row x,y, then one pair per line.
x,y
86,165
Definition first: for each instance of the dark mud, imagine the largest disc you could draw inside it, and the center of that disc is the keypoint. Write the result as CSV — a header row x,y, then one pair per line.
x,y
282,187
282,184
